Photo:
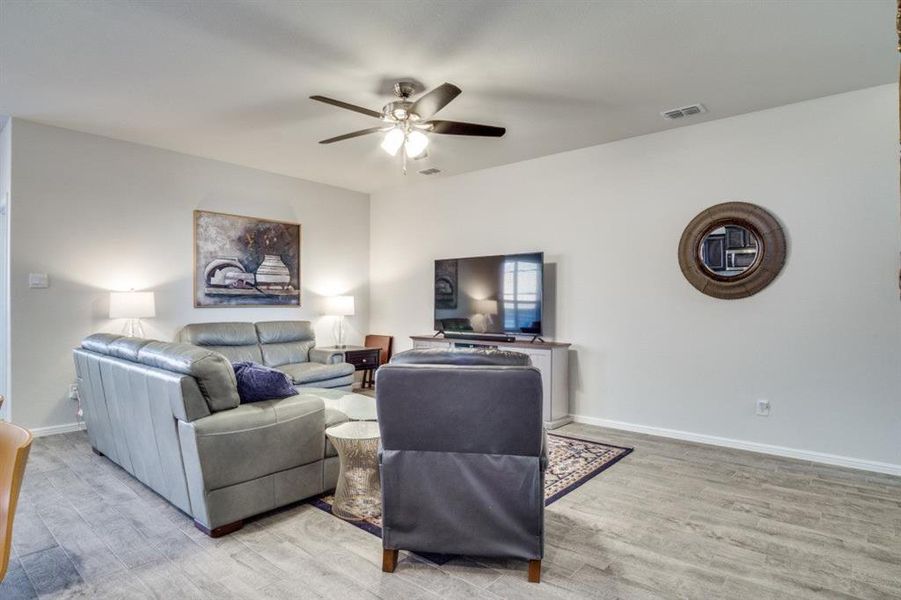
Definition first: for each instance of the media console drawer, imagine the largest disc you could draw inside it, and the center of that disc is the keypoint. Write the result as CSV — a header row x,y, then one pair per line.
x,y
551,358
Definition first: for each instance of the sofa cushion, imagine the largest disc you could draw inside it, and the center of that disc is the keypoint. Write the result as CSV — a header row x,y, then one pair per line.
x,y
99,342
127,347
285,342
235,341
310,372
276,355
219,334
277,332
345,383
256,382
214,374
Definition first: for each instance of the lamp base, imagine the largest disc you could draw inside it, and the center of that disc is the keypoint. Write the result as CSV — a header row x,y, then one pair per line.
x,y
339,333
133,328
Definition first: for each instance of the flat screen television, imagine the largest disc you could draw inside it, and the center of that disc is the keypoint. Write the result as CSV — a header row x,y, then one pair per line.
x,y
490,294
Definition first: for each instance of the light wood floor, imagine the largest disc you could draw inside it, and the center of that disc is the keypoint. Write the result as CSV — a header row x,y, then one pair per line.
x,y
672,520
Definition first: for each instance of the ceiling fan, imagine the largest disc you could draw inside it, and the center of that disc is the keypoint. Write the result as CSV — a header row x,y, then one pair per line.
x,y
407,123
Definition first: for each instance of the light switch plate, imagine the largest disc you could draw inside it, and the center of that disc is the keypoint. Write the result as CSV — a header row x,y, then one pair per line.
x,y
38,280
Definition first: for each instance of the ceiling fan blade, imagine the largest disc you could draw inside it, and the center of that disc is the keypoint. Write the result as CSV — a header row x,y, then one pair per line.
x,y
352,107
459,128
435,100
353,134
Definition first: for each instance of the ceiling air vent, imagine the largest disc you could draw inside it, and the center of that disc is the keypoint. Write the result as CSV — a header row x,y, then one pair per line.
x,y
430,171
685,111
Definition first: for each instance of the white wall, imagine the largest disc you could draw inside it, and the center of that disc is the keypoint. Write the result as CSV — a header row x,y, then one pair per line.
x,y
98,214
5,168
822,343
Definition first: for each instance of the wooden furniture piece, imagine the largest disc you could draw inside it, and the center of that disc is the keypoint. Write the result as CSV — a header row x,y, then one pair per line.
x,y
551,358
15,442
383,342
389,560
363,358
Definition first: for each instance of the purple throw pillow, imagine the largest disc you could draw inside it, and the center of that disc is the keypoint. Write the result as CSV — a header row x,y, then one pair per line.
x,y
257,382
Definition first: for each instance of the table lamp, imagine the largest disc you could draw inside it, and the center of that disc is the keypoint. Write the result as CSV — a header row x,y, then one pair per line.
x,y
133,306
481,321
339,307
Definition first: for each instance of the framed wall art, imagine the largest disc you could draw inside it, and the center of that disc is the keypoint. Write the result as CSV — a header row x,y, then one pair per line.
x,y
245,261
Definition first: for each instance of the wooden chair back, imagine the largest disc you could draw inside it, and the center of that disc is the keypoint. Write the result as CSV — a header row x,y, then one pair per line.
x,y
384,343
15,442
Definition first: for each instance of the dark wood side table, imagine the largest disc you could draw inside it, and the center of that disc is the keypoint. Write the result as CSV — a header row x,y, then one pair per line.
x,y
362,358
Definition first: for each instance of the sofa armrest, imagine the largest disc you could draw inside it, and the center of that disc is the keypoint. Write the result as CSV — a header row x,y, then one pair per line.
x,y
326,357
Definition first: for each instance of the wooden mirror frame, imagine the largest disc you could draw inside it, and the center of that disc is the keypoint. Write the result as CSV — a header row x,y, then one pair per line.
x,y
771,252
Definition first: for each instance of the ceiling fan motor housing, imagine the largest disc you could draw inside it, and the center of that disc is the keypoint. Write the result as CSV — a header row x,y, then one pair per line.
x,y
399,110
404,89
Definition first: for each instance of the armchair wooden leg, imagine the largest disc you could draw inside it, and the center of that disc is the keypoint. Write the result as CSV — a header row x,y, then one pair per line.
x,y
535,571
389,560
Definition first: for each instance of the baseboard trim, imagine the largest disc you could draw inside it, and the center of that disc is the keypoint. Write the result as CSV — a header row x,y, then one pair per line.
x,y
688,436
55,429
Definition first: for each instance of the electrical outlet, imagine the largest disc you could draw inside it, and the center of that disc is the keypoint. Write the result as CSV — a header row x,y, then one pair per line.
x,y
73,391
38,281
763,408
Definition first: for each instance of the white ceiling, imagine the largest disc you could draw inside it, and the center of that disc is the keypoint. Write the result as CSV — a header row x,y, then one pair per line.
x,y
230,80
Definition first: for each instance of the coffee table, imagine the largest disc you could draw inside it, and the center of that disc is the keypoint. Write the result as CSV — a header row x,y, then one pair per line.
x,y
358,495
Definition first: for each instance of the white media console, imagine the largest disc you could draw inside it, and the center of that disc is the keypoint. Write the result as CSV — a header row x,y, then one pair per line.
x,y
551,358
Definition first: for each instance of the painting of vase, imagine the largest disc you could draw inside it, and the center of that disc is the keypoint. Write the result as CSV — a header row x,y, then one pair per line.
x,y
245,261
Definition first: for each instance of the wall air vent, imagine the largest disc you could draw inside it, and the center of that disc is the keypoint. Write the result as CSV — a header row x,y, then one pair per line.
x,y
430,171
685,111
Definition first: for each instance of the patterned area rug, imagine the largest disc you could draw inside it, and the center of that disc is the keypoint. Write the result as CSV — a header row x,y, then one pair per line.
x,y
571,462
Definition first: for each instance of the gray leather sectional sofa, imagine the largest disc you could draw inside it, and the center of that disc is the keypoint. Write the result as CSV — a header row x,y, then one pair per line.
x,y
169,414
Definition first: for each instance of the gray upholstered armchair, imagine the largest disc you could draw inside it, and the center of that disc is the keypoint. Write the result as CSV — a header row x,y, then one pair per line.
x,y
462,457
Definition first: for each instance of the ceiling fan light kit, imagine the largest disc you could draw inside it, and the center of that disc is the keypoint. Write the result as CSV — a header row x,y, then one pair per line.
x,y
407,123
416,143
393,140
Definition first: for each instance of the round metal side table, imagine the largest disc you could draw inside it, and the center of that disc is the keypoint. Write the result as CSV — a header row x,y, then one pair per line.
x,y
359,491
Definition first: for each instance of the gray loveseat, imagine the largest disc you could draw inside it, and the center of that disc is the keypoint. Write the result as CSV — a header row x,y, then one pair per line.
x,y
169,414
288,346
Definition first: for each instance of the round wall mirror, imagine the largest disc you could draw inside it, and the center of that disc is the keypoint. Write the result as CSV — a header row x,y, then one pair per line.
x,y
732,250
729,251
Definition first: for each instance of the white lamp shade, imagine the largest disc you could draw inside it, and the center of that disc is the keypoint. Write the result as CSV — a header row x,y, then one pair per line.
x,y
131,305
339,306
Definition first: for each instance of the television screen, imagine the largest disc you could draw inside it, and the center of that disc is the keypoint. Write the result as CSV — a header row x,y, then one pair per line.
x,y
490,294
